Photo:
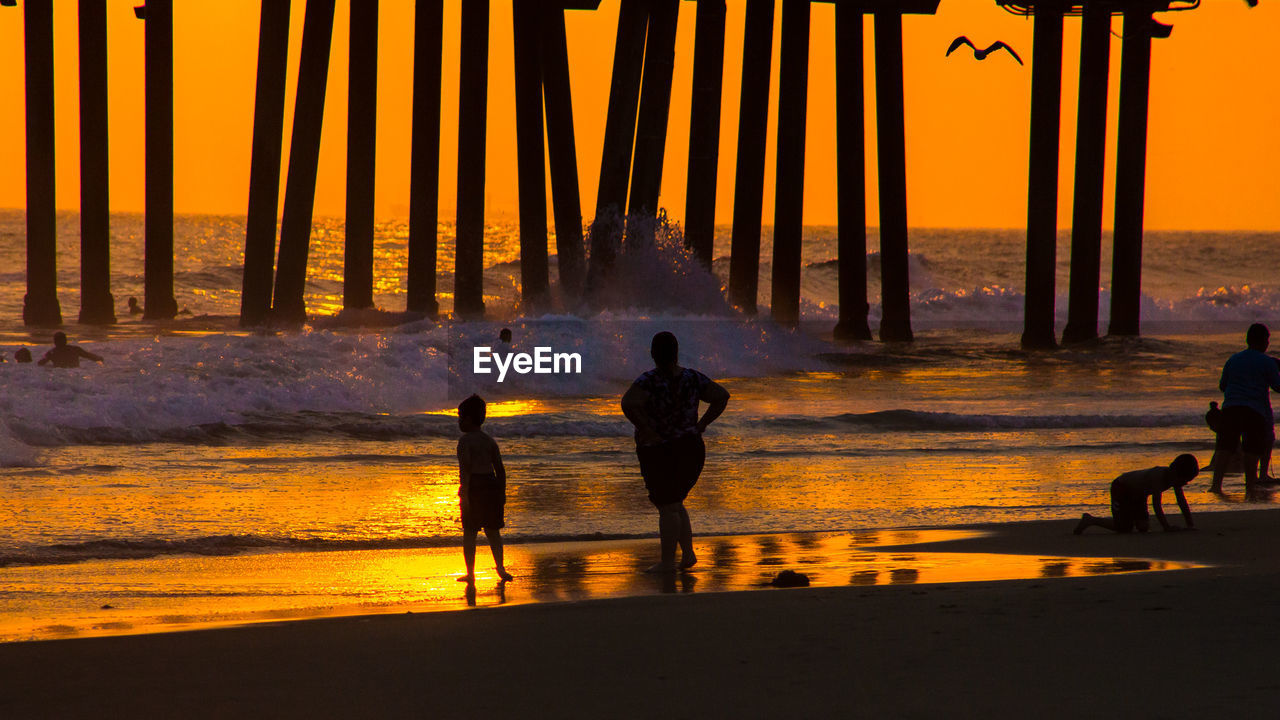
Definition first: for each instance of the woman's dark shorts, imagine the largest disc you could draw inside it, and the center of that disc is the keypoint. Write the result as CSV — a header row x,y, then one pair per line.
x,y
1242,422
671,468
487,495
1128,509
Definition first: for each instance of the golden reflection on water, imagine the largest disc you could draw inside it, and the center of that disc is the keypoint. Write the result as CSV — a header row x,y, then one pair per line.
x,y
184,592
504,409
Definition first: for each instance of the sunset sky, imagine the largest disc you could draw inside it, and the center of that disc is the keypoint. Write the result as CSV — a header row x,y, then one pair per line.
x,y
1213,148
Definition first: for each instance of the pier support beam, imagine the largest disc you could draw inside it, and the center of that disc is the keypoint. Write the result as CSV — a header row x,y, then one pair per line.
x,y
40,306
895,324
362,146
1131,169
424,170
304,155
1086,211
1042,184
851,184
264,166
566,196
468,276
704,130
159,301
619,138
530,154
655,108
753,125
788,224
97,307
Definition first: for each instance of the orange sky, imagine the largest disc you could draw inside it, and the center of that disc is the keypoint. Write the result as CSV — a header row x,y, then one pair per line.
x,y
1213,148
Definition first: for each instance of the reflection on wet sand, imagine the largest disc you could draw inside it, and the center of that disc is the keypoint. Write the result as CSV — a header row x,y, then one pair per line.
x,y
178,593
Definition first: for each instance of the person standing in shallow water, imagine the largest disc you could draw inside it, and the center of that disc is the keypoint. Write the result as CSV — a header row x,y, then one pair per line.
x,y
663,405
66,356
1247,423
482,488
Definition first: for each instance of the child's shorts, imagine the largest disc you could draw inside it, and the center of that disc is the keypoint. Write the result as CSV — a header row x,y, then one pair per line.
x,y
1128,509
487,495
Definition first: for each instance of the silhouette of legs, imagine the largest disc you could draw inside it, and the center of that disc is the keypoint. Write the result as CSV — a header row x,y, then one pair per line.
x,y
674,529
469,555
495,546
687,558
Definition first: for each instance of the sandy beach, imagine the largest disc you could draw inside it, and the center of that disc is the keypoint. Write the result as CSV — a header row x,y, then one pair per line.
x,y
1149,644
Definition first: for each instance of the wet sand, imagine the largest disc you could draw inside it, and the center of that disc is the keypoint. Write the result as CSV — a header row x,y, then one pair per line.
x,y
1152,644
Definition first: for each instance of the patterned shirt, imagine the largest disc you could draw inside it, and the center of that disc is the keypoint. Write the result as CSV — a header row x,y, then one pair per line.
x,y
673,402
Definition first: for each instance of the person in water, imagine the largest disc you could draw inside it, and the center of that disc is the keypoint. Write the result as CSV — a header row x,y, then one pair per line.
x,y
1130,491
66,356
482,488
663,405
1247,422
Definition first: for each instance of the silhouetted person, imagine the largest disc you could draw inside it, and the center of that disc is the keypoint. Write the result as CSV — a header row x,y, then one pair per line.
x,y
134,307
22,355
505,336
482,487
66,356
663,405
1130,491
1247,423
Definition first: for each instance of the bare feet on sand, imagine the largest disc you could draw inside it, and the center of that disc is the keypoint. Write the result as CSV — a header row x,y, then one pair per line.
x,y
469,579
506,576
688,561
1085,520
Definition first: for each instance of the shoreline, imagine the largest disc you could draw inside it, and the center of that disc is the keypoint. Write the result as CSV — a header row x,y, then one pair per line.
x,y
1148,643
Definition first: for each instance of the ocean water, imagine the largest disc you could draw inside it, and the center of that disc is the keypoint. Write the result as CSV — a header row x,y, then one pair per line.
x,y
198,439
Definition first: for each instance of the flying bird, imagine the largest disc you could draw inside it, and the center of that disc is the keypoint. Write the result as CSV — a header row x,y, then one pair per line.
x,y
982,54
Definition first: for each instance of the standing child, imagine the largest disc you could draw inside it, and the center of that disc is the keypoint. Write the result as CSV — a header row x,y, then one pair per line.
x,y
482,487
1130,491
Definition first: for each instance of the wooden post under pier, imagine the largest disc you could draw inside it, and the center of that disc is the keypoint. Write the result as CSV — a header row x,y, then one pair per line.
x,y
97,306
424,170
788,224
1086,211
851,184
1042,184
40,306
362,145
304,154
655,107
1131,168
264,166
753,126
468,276
159,303
530,154
704,130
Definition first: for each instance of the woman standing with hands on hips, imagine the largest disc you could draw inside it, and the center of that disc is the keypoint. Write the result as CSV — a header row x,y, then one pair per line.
x,y
663,405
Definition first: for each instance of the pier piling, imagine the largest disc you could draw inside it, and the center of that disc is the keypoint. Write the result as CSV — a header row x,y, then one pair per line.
x,y
304,155
97,306
788,224
1042,184
566,198
530,153
40,306
895,324
655,107
753,126
424,162
159,302
704,130
362,145
1131,168
264,165
473,102
1086,211
851,184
